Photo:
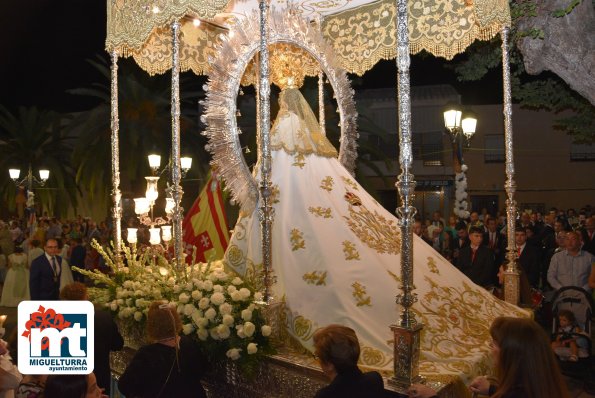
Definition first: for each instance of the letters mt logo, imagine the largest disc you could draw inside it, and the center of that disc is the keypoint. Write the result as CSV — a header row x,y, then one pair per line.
x,y
56,337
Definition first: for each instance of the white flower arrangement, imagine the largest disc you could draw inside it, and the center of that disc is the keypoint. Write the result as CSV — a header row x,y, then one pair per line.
x,y
216,307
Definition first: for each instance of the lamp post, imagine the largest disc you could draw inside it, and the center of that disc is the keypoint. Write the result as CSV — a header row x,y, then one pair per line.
x,y
29,181
459,125
143,207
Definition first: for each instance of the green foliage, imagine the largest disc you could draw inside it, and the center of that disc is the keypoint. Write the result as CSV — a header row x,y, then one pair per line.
x,y
567,10
545,91
37,138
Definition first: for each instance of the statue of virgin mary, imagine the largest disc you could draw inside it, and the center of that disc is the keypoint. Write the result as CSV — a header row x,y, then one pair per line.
x,y
335,256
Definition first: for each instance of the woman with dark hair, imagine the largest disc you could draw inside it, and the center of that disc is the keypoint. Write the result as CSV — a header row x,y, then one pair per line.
x,y
72,386
337,349
525,364
171,366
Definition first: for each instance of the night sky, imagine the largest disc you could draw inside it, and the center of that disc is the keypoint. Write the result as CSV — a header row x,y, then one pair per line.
x,y
45,44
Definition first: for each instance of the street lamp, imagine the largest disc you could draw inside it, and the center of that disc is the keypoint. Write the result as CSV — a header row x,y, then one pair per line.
x,y
456,126
459,125
143,207
29,181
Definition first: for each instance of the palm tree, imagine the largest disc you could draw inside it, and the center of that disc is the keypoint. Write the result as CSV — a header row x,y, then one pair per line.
x,y
145,127
37,138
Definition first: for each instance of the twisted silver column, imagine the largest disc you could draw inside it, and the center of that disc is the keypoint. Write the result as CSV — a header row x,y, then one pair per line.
x,y
511,276
176,174
266,209
115,143
321,116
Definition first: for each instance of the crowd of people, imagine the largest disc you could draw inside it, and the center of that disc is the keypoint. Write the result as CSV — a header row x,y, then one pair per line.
x,y
555,250
545,243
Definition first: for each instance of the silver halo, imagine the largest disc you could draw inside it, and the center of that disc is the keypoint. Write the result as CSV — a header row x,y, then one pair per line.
x,y
227,69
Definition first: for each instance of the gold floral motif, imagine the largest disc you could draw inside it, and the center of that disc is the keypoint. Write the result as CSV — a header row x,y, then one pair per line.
x,y
359,293
324,212
302,326
275,193
299,160
374,230
235,256
350,183
350,251
317,278
372,357
297,239
327,183
364,35
396,277
432,265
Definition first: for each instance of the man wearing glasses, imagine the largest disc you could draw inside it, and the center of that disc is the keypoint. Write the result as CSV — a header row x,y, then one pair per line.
x,y
44,276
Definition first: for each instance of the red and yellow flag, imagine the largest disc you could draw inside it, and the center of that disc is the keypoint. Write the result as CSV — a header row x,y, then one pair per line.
x,y
205,225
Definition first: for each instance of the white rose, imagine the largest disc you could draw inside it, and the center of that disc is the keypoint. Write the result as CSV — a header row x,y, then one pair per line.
x,y
180,308
196,316
223,331
156,292
236,296
202,322
217,298
231,289
171,281
127,284
258,296
184,298
210,314
214,334
225,308
218,288
204,303
245,293
251,349
120,294
129,302
120,301
233,354
189,309
138,302
187,328
200,285
196,295
177,289
189,286
138,316
249,329
247,315
266,330
202,334
113,306
212,277
237,281
208,286
240,331
228,320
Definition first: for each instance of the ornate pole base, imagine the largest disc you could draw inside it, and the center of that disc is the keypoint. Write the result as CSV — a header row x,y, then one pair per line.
x,y
406,352
512,286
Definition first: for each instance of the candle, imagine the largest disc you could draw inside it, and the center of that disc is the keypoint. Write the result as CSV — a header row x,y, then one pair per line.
x,y
2,319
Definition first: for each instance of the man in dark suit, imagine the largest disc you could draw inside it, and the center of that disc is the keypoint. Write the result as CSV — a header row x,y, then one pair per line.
x,y
495,241
529,257
588,235
44,276
77,258
477,261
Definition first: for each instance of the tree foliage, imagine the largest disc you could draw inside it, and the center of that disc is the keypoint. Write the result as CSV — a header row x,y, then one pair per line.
x,y
576,115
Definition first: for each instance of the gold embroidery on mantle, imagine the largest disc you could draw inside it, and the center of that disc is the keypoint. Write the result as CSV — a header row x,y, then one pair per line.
x,y
235,256
317,278
299,160
327,183
396,277
350,183
350,251
318,211
359,293
297,239
432,265
374,230
372,357
275,193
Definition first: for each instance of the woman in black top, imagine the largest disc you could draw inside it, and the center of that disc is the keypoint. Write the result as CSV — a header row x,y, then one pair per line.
x,y
525,364
171,367
337,349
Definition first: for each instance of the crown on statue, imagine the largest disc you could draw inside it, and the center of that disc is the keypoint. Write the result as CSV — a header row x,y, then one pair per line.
x,y
288,66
